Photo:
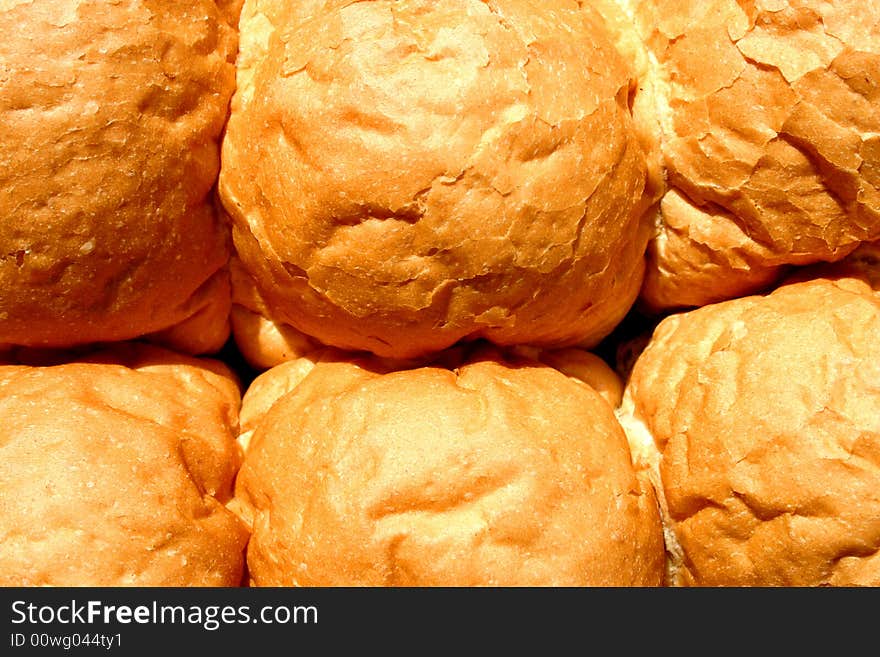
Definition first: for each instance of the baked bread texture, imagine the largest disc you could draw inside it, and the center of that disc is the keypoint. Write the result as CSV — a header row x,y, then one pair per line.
x,y
760,418
405,175
498,472
114,471
110,120
262,341
414,234
768,118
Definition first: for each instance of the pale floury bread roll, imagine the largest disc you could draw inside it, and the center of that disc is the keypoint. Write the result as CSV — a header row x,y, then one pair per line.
x,y
110,120
761,418
114,471
403,175
768,115
495,473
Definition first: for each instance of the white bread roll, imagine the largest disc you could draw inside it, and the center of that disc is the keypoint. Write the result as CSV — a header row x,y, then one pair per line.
x,y
404,175
495,473
115,469
110,120
760,420
768,118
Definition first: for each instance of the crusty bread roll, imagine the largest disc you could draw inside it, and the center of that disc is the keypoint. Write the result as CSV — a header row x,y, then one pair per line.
x,y
761,418
114,471
110,119
403,175
496,473
769,116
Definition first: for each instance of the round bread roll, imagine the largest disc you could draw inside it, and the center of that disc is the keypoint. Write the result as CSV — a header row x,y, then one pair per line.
x,y
492,474
110,119
114,471
761,420
405,175
769,120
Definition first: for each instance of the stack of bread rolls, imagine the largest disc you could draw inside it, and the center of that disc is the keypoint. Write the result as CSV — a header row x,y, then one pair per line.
x,y
465,293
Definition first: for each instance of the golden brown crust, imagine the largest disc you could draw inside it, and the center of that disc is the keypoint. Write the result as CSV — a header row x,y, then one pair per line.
x,y
114,471
582,366
859,267
770,116
110,118
270,386
619,19
231,9
262,341
207,326
492,474
404,175
766,413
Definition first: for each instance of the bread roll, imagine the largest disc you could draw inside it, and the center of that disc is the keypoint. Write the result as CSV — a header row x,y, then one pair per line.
x,y
110,119
769,115
496,473
114,471
404,175
761,419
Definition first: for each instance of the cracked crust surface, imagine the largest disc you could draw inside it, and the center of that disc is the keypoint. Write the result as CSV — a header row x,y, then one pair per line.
x,y
766,414
493,473
403,175
769,121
